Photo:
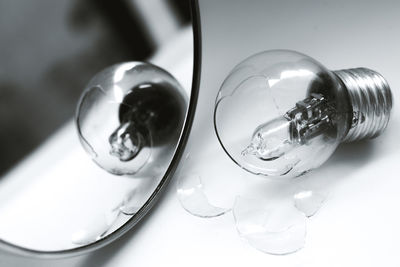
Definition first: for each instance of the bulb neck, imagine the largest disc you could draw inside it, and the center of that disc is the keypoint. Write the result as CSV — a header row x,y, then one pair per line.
x,y
371,102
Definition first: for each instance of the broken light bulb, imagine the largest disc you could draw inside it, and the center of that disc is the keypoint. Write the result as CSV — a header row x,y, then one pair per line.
x,y
127,112
281,113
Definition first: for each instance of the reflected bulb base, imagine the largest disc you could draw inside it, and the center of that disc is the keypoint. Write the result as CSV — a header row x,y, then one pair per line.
x,y
371,101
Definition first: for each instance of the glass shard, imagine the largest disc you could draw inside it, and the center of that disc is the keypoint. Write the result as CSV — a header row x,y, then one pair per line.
x,y
308,201
193,199
274,229
96,230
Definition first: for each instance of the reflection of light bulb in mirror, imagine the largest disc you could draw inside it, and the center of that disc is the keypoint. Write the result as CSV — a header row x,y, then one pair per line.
x,y
127,111
281,113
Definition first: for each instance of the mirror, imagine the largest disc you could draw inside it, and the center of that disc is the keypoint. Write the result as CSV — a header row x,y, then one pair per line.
x,y
56,201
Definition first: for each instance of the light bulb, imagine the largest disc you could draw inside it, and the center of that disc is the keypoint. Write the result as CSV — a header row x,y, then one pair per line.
x,y
126,112
281,113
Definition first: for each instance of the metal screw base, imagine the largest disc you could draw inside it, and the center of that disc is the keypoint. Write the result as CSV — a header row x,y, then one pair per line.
x,y
371,101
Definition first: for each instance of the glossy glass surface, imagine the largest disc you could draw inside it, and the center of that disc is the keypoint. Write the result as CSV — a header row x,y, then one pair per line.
x,y
130,116
252,104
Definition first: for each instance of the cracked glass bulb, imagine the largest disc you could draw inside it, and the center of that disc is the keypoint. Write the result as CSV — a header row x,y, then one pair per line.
x,y
127,112
281,113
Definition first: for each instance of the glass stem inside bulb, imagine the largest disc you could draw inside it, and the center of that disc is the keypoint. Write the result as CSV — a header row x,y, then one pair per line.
x,y
308,119
126,142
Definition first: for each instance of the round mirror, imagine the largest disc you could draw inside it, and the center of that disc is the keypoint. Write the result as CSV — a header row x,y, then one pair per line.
x,y
132,121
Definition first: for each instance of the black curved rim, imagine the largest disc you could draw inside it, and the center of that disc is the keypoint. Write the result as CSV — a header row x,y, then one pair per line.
x,y
129,225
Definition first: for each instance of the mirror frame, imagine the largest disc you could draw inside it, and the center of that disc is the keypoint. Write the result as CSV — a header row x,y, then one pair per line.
x,y
18,250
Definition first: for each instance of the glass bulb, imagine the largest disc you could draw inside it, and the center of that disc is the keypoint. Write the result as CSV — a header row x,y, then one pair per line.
x,y
281,113
126,111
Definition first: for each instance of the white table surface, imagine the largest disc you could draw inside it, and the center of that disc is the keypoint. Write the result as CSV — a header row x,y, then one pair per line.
x,y
359,224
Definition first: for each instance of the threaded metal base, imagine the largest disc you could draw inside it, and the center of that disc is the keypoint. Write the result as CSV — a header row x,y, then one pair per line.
x,y
371,101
